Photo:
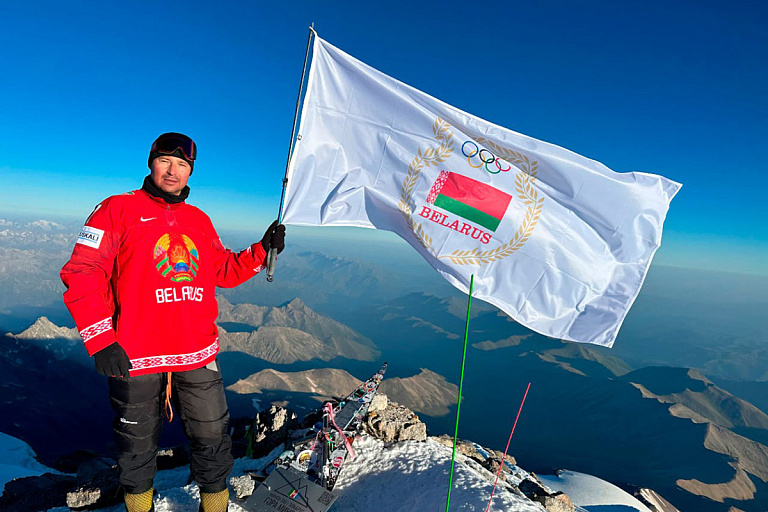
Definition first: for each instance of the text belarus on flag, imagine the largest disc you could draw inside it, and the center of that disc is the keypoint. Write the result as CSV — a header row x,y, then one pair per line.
x,y
558,241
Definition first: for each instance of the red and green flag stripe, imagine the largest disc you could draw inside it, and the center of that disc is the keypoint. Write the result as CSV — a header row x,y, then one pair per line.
x,y
470,199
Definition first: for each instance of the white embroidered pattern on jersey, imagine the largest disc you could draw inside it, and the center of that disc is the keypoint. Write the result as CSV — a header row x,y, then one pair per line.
x,y
94,330
175,360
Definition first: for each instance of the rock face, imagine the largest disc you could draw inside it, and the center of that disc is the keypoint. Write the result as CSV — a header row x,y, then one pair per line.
x,y
553,502
95,485
243,486
487,458
270,429
36,492
557,502
471,450
394,422
656,503
290,333
516,479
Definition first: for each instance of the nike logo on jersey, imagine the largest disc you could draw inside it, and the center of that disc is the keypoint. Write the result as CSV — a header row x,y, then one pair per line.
x,y
142,219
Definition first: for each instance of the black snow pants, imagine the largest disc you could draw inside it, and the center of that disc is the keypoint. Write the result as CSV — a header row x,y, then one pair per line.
x,y
198,399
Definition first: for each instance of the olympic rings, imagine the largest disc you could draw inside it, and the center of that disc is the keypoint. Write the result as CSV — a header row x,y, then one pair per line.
x,y
490,159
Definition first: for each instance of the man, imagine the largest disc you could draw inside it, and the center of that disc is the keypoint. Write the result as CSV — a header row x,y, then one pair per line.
x,y
140,286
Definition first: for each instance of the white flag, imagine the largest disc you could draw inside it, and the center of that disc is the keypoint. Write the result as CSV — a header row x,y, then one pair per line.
x,y
558,241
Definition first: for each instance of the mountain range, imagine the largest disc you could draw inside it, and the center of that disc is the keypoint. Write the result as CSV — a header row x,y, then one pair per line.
x,y
666,428
426,392
288,334
669,429
679,405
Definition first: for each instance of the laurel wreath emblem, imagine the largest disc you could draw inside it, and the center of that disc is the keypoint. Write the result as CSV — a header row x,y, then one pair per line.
x,y
526,192
432,156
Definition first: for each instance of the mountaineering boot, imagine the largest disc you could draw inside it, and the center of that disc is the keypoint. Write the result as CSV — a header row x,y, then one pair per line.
x,y
140,502
214,501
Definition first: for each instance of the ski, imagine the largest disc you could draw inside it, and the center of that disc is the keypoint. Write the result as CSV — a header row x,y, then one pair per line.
x,y
302,478
344,424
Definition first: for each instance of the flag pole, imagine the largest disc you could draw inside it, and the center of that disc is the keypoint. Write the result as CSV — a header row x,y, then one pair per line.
x,y
461,386
273,252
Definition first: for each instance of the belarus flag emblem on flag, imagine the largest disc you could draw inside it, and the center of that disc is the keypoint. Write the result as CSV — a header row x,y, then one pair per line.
x,y
469,199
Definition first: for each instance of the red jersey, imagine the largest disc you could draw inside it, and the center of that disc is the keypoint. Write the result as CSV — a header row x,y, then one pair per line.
x,y
143,272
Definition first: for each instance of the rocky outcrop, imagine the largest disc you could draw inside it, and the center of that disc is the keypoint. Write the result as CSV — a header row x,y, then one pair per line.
x,y
489,459
243,486
552,501
95,485
557,502
516,479
655,502
393,422
36,492
270,429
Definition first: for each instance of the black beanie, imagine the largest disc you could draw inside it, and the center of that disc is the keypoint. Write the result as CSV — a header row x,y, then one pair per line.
x,y
178,153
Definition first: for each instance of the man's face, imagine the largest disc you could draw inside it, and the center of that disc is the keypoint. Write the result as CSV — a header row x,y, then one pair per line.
x,y
170,173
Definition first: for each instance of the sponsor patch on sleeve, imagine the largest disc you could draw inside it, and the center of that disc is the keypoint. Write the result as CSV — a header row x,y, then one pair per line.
x,y
90,236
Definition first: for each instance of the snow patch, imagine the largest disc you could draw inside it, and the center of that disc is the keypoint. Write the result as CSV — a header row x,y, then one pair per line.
x,y
47,225
414,475
18,461
592,493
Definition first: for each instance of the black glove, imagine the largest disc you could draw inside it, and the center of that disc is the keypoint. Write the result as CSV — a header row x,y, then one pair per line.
x,y
274,238
112,361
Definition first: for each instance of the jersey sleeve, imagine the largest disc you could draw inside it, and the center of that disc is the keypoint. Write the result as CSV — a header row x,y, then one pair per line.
x,y
234,268
87,276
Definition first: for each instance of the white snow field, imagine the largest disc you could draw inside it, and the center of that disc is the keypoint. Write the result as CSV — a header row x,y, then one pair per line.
x,y
413,476
17,460
589,492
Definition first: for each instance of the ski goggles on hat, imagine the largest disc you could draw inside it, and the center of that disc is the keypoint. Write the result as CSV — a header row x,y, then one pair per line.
x,y
168,143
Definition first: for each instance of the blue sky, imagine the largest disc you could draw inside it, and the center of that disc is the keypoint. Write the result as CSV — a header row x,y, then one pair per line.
x,y
673,88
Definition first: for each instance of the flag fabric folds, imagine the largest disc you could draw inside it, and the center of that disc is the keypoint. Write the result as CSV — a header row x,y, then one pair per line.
x,y
559,242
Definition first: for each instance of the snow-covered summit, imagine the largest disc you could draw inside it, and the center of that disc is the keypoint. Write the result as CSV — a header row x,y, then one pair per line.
x,y
400,477
47,225
590,492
